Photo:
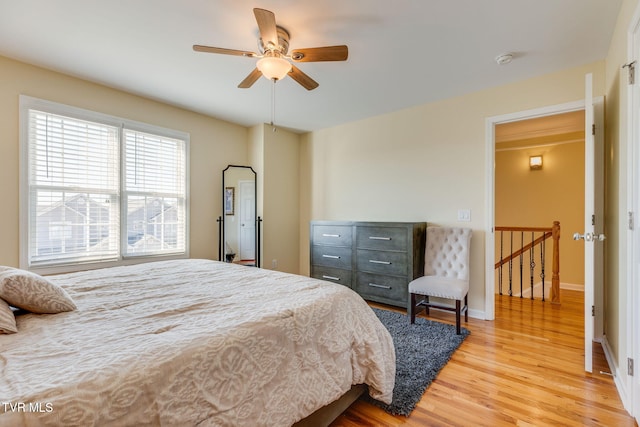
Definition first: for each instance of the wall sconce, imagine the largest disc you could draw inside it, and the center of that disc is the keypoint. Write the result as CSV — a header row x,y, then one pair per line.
x,y
535,162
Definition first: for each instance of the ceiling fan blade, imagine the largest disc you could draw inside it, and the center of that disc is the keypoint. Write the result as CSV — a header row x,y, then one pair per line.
x,y
317,54
210,49
267,25
307,82
250,79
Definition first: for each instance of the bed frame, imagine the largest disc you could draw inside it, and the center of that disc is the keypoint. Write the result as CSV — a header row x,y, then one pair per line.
x,y
327,414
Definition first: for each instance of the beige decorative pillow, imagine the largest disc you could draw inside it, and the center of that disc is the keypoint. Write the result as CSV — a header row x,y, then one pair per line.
x,y
32,292
7,319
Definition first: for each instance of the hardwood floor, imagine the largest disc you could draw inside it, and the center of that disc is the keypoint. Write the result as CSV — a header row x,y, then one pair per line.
x,y
525,368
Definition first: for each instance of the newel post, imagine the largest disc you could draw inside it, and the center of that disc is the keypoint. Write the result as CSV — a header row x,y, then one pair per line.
x,y
555,278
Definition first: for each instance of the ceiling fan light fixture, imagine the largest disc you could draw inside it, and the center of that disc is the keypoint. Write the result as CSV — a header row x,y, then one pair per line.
x,y
273,67
273,46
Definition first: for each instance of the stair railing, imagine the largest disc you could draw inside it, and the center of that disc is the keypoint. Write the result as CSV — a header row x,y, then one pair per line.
x,y
537,239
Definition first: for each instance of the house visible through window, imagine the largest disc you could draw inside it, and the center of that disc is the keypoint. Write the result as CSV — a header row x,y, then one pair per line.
x,y
99,188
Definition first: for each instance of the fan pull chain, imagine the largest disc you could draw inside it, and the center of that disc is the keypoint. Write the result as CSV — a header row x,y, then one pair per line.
x,y
273,104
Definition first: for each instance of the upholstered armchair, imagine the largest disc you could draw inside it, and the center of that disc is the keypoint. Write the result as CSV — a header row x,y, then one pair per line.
x,y
446,272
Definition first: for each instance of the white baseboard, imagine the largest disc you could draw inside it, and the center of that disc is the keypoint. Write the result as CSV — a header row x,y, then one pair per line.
x,y
477,314
572,287
537,289
618,381
474,314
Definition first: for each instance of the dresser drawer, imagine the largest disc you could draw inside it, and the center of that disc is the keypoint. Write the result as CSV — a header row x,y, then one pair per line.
x,y
335,275
334,235
394,263
374,258
382,238
331,256
382,288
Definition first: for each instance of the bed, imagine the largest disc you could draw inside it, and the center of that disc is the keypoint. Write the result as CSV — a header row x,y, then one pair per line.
x,y
191,342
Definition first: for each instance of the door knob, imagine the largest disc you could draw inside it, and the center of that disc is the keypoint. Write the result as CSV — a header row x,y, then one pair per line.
x,y
589,237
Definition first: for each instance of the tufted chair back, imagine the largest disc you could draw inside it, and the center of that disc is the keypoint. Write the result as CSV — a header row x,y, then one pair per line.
x,y
447,252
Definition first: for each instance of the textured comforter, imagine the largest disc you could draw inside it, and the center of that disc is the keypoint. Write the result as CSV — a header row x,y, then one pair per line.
x,y
191,342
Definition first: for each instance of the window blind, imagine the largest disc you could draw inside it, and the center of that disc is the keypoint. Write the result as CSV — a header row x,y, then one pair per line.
x,y
96,188
73,189
154,193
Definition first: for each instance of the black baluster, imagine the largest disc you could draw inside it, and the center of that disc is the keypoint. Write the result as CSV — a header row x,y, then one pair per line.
x,y
532,262
542,256
521,260
511,265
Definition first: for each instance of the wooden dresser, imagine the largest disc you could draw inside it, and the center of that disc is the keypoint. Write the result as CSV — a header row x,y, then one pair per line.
x,y
376,259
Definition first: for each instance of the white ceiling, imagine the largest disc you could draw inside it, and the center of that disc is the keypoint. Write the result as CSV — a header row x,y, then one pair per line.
x,y
401,53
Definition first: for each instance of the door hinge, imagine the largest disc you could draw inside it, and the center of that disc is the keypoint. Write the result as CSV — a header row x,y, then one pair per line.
x,y
630,366
593,311
593,219
632,71
630,220
593,129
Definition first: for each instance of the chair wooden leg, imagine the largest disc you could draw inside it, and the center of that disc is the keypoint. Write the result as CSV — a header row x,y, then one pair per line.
x,y
458,316
413,309
466,312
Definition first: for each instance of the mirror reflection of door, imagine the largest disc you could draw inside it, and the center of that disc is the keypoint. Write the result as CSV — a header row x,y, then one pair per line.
x,y
239,215
247,223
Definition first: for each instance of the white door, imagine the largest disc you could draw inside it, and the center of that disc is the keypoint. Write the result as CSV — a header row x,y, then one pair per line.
x,y
247,224
631,316
632,319
593,225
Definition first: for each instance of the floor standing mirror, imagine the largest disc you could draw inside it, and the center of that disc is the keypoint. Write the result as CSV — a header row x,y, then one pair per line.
x,y
239,224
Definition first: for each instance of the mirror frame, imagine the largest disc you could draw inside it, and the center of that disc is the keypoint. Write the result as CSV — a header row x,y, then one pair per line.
x,y
221,219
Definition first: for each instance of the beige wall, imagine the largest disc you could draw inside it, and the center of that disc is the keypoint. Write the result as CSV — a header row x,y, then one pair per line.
x,y
616,316
422,163
281,190
256,160
214,144
275,155
526,198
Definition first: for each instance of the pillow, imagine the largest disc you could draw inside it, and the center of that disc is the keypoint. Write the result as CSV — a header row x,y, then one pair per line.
x,y
7,319
32,292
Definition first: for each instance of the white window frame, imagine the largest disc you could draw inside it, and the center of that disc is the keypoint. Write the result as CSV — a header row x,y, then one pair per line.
x,y
28,103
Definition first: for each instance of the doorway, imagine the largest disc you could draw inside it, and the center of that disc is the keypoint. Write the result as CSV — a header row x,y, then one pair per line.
x,y
491,124
538,195
593,292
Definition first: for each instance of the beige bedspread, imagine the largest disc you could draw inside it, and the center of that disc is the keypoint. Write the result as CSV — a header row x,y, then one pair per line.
x,y
191,342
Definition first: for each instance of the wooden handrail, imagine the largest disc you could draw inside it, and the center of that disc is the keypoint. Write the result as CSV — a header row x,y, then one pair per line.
x,y
554,233
524,248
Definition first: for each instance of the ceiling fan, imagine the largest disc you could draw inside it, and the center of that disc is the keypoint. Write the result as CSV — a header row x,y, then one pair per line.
x,y
275,61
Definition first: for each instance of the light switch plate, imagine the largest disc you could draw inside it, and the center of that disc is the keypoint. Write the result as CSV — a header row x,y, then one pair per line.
x,y
464,215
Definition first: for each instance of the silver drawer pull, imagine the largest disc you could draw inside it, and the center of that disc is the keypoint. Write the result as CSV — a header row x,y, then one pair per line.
x,y
330,235
330,277
379,238
373,261
331,256
373,285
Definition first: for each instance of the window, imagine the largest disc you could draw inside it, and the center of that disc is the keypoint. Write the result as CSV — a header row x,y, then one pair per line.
x,y
97,188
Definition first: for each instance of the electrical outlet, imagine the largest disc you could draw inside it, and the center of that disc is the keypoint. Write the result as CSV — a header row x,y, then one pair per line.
x,y
274,264
464,215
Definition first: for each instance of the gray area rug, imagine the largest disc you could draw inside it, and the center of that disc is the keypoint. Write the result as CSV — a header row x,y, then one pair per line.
x,y
422,350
